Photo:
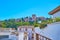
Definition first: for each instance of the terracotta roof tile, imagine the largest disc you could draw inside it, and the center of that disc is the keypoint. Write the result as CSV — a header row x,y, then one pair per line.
x,y
54,11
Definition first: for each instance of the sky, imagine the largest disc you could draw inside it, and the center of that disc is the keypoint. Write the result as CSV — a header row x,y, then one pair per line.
x,y
22,8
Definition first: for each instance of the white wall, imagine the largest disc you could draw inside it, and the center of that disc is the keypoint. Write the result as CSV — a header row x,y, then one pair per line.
x,y
57,14
4,33
21,36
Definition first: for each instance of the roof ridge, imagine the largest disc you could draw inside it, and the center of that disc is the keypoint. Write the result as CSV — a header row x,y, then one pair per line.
x,y
54,10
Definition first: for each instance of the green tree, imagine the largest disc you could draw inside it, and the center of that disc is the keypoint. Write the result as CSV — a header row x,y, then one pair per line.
x,y
36,25
19,23
3,24
57,19
42,25
26,23
49,21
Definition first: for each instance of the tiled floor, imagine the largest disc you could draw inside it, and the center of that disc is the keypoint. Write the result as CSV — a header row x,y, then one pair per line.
x,y
5,39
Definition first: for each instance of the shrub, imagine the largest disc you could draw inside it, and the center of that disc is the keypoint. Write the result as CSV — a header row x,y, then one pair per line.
x,y
42,25
36,25
57,19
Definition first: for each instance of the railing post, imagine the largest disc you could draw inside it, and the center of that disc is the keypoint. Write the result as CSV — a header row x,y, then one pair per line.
x,y
40,37
32,36
37,36
25,36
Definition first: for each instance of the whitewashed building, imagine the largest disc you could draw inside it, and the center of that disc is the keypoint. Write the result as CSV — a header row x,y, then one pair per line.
x,y
55,13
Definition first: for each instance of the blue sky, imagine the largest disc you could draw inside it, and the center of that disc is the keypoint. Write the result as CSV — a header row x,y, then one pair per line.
x,y
23,8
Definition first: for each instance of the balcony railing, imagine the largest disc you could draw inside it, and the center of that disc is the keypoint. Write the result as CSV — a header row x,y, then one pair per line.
x,y
39,37
6,29
35,36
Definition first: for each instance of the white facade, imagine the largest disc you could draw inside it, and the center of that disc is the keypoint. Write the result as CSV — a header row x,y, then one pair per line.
x,y
57,14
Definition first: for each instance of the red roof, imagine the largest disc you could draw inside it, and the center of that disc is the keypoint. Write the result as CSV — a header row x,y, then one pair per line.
x,y
54,11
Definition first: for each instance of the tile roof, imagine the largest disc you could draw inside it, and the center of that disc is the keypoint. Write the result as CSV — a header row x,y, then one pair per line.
x,y
54,11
